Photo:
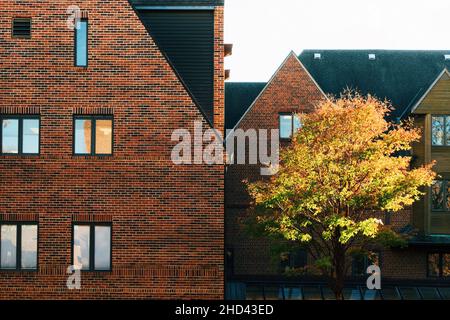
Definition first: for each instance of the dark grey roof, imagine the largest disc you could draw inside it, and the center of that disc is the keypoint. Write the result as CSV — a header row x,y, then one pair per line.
x,y
238,98
165,3
401,76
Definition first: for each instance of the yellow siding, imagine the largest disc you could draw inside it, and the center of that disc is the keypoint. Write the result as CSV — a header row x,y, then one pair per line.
x,y
437,100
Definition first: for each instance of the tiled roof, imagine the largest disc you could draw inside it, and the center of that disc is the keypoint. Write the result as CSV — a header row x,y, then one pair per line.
x,y
401,76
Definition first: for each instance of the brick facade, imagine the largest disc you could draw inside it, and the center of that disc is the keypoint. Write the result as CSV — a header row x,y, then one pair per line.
x,y
167,220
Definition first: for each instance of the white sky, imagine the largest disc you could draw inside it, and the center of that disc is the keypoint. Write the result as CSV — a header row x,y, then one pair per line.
x,y
265,31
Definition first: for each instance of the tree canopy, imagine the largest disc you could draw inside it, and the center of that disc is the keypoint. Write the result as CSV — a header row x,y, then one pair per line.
x,y
345,164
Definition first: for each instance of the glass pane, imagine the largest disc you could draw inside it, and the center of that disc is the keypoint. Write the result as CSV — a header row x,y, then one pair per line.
x,y
312,293
103,136
352,294
293,294
81,246
30,136
437,136
10,137
371,294
446,265
8,234
285,126
445,293
254,293
447,129
273,293
83,130
390,293
409,293
102,248
433,265
429,293
437,195
297,123
29,247
81,45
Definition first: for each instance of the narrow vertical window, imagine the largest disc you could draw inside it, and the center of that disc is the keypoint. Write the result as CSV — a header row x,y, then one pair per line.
x,y
29,247
434,265
30,136
297,123
446,265
439,264
102,254
8,248
437,195
81,247
81,43
103,136
10,136
285,126
83,134
438,130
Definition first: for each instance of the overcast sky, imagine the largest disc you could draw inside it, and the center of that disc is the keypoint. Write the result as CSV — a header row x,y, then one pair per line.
x,y
265,31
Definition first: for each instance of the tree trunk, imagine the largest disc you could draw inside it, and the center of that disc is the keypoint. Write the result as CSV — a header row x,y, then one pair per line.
x,y
339,272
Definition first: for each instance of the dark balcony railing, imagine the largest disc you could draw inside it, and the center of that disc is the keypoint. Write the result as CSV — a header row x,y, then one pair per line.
x,y
254,290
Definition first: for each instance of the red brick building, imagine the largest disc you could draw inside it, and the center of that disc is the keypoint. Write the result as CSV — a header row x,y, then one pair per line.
x,y
407,79
85,170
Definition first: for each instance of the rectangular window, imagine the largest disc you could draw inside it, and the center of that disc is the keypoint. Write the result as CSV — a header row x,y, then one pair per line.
x,y
18,246
19,134
93,135
439,264
440,195
81,43
289,124
91,247
440,130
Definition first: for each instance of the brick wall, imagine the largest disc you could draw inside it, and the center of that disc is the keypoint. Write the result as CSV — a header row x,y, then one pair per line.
x,y
167,220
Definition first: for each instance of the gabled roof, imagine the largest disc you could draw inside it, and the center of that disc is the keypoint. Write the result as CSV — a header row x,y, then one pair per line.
x,y
240,102
401,76
238,98
422,98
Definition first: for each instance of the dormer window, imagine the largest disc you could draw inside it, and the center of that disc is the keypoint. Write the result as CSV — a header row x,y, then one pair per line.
x,y
317,56
372,56
447,57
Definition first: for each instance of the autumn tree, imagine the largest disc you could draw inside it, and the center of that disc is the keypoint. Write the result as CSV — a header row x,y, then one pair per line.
x,y
346,164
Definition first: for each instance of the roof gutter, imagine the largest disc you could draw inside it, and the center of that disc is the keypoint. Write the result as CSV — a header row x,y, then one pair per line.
x,y
174,7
